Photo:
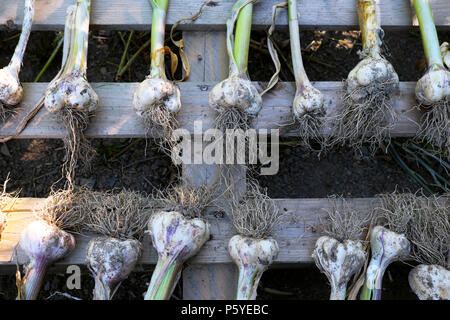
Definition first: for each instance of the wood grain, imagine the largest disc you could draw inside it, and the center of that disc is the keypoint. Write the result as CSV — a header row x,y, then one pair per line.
x,y
115,117
136,14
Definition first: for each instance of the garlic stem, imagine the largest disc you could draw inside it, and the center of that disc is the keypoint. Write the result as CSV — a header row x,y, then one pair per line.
x,y
301,79
249,277
242,36
370,27
163,284
16,60
157,38
78,33
33,279
428,33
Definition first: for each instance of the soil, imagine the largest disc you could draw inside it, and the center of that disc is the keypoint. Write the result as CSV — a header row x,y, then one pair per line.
x,y
34,166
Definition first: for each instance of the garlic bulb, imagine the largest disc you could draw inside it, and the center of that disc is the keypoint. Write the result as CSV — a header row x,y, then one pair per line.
x,y
176,238
253,257
43,244
111,260
430,282
339,261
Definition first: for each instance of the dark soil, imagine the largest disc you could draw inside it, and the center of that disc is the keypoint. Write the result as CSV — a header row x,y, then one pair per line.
x,y
34,165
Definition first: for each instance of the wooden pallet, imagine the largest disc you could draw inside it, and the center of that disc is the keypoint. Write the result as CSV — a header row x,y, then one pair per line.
x,y
210,274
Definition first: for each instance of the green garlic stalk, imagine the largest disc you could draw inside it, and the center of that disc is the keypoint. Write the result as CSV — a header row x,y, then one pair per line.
x,y
176,238
386,247
339,261
11,90
156,99
367,102
433,89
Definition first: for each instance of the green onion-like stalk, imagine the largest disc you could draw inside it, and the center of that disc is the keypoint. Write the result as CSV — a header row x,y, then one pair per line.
x,y
176,238
43,243
339,261
11,90
386,247
235,98
156,99
430,282
433,89
367,102
253,257
308,106
110,261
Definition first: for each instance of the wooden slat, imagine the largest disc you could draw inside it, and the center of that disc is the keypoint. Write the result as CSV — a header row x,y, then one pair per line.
x,y
296,237
115,117
208,281
136,14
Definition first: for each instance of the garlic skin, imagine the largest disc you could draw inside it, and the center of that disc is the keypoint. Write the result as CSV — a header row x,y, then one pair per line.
x,y
434,86
155,92
235,92
387,247
71,91
42,241
310,100
368,71
445,51
339,261
11,91
430,282
176,238
43,244
110,261
253,257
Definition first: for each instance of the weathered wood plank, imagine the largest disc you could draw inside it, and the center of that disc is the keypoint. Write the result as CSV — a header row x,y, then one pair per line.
x,y
210,281
205,281
136,14
115,116
296,236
